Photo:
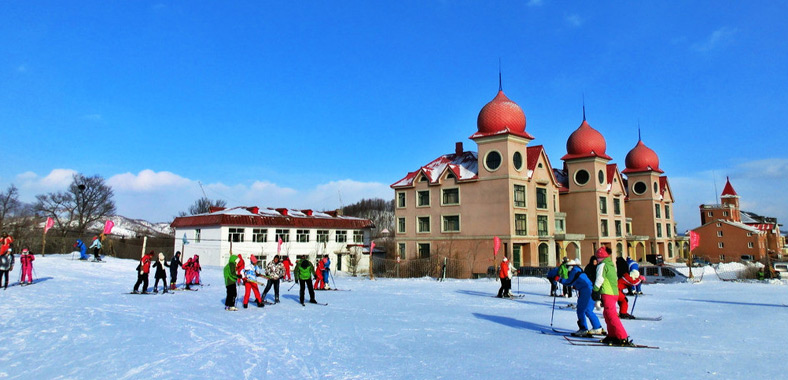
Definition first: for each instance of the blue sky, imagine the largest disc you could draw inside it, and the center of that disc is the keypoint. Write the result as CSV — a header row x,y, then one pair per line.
x,y
318,104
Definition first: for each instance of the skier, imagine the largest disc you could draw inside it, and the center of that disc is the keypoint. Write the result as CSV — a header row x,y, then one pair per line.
x,y
142,273
249,279
506,279
590,269
319,281
196,268
621,267
287,264
230,279
563,272
585,308
633,265
606,289
552,274
160,274
303,273
175,263
6,243
273,271
629,280
27,266
83,250
6,264
188,272
327,271
96,247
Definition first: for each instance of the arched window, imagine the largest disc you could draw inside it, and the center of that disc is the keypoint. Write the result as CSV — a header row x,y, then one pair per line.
x,y
543,254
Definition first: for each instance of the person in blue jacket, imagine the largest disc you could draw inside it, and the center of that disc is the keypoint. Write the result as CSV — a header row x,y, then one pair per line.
x,y
633,265
551,275
585,308
83,250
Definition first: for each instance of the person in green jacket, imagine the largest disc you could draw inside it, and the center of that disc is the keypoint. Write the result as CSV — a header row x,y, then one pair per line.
x,y
230,279
563,273
606,289
303,274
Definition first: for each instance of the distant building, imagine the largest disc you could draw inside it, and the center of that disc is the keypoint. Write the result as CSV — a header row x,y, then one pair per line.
x,y
729,234
255,231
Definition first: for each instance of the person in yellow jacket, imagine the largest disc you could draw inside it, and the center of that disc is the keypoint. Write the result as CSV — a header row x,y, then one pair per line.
x,y
606,289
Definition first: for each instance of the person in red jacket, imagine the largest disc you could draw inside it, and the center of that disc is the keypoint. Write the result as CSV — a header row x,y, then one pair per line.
x,y
627,281
319,281
505,274
142,273
6,241
27,267
196,268
287,264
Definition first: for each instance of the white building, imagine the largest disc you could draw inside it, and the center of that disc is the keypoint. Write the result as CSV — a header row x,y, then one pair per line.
x,y
254,231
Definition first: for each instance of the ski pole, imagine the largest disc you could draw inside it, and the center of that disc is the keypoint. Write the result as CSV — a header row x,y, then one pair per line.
x,y
291,286
635,302
553,314
332,279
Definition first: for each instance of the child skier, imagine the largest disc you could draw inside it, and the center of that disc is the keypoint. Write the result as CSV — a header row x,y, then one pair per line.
x,y
552,274
633,265
628,281
606,289
327,271
319,282
230,280
303,273
6,264
142,273
96,247
83,250
27,266
160,274
196,268
273,271
506,279
175,263
249,277
585,308
287,264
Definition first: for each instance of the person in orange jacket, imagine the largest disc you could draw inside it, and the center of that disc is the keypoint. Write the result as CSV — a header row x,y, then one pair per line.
x,y
505,274
142,273
319,281
627,281
287,264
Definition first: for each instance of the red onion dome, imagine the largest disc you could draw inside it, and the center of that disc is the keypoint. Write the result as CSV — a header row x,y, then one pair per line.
x,y
585,142
499,116
641,159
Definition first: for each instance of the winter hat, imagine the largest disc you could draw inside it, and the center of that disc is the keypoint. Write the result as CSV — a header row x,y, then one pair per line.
x,y
602,253
161,256
505,259
25,250
575,262
634,274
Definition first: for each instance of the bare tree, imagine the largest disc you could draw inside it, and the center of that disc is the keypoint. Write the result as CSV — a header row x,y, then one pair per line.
x,y
87,200
203,206
9,203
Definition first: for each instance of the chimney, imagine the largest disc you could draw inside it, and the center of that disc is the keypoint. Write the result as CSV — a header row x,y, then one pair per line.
x,y
308,212
214,209
282,211
458,148
254,210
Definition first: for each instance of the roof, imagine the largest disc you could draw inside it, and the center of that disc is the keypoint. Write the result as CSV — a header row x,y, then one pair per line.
x,y
282,217
641,159
734,224
464,166
533,153
585,142
501,116
562,178
728,190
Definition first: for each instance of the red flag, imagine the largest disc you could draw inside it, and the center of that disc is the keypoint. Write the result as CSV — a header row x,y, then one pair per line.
x,y
496,245
50,223
694,240
108,227
279,245
371,247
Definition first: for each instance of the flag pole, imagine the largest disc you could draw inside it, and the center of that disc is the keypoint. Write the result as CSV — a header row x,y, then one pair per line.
x,y
43,242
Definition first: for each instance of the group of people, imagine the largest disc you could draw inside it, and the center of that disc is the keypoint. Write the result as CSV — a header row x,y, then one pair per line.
x,y
95,246
236,273
322,273
191,269
605,283
7,261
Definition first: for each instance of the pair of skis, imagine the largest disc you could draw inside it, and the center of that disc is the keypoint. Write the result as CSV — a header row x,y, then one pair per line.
x,y
576,341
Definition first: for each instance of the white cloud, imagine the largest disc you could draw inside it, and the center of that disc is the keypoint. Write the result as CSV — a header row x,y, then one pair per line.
x,y
56,180
574,20
717,39
147,181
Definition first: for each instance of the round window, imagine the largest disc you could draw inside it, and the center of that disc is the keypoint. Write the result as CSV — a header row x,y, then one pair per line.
x,y
601,176
639,188
493,160
655,188
582,177
517,159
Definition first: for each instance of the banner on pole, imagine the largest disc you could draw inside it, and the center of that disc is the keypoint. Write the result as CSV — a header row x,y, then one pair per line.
x,y
371,247
279,245
185,239
694,240
50,223
496,245
108,227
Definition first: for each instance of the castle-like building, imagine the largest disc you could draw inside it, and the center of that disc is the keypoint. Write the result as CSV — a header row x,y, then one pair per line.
x,y
729,234
455,205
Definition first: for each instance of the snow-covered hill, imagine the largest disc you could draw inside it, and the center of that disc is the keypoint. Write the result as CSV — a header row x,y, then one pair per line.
x,y
77,322
133,227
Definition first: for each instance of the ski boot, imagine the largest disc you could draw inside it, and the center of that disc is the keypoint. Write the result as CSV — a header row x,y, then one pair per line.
x,y
581,333
276,300
156,291
246,306
599,331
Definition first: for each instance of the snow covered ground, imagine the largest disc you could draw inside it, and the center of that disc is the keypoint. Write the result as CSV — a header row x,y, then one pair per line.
x,y
77,322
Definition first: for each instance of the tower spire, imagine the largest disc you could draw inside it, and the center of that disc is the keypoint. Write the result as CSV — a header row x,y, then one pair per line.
x,y
584,106
500,83
639,139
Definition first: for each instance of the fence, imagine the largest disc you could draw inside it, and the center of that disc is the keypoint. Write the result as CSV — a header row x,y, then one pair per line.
x,y
127,248
427,267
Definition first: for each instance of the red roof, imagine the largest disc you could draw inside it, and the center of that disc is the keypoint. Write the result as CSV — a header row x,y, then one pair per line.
x,y
585,142
271,219
728,190
641,159
464,166
501,116
611,174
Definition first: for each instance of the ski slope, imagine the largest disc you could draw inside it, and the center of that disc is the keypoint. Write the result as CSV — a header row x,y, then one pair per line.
x,y
76,322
